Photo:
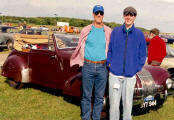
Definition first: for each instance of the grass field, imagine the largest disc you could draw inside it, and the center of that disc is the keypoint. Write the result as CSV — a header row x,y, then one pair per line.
x,y
37,103
5,51
33,104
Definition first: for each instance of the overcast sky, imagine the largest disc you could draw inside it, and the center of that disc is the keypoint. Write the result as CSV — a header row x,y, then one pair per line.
x,y
151,13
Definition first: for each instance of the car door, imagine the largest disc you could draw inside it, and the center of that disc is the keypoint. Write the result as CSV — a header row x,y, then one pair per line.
x,y
45,68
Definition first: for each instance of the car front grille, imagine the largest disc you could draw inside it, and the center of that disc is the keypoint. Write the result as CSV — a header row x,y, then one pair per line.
x,y
148,83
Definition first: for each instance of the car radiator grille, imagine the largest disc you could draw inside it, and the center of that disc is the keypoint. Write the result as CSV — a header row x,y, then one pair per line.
x,y
147,81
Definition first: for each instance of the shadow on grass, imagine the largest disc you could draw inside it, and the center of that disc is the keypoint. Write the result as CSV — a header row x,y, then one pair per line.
x,y
76,101
136,111
55,92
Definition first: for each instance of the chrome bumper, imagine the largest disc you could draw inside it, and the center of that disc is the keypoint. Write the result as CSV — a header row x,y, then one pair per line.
x,y
140,95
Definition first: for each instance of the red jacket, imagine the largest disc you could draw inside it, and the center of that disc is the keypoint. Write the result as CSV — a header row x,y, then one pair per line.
x,y
156,49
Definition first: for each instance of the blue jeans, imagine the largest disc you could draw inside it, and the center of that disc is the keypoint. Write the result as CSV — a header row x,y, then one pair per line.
x,y
121,87
93,76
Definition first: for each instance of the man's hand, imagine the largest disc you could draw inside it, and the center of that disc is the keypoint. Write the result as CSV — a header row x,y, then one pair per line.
x,y
109,65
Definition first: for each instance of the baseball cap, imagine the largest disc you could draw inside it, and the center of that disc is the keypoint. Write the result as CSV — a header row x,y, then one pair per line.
x,y
130,10
98,8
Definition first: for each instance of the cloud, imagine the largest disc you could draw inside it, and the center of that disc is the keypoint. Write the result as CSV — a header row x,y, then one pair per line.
x,y
168,1
151,13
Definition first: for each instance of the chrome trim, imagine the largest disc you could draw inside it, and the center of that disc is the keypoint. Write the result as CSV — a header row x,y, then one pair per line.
x,y
140,99
169,83
25,75
104,104
147,82
3,45
137,100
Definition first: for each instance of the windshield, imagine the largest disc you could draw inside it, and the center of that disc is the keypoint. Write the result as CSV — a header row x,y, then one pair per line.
x,y
66,41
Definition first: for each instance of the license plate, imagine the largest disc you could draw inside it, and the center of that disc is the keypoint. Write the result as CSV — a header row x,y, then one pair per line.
x,y
148,102
149,98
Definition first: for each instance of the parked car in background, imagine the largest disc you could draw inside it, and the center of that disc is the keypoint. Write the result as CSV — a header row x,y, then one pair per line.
x,y
6,36
168,61
168,38
50,67
44,28
34,31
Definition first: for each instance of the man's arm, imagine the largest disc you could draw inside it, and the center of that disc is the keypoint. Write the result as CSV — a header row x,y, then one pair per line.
x,y
109,55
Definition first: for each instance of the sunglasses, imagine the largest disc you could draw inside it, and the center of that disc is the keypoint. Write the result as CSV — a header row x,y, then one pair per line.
x,y
101,13
129,13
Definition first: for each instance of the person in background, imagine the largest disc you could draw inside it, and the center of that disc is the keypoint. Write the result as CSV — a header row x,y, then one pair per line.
x,y
146,35
156,48
91,54
24,25
126,57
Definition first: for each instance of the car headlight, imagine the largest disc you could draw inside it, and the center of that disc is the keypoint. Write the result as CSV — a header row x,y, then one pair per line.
x,y
169,83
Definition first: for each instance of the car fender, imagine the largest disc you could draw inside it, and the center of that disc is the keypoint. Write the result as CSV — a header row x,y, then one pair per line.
x,y
16,68
73,85
161,76
168,64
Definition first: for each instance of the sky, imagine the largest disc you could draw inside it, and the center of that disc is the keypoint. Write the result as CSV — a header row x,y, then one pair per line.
x,y
151,13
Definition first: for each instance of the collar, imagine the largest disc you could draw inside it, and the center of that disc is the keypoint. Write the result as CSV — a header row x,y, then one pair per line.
x,y
96,27
129,30
89,28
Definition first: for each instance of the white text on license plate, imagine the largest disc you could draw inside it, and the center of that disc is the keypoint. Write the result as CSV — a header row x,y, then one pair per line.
x,y
148,102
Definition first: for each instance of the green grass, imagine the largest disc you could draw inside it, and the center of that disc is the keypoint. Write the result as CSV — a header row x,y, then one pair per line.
x,y
34,104
4,51
166,112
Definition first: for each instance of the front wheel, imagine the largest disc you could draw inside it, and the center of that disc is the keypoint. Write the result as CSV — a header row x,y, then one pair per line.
x,y
14,84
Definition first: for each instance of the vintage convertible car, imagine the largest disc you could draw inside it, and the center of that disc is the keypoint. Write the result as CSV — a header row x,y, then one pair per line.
x,y
50,67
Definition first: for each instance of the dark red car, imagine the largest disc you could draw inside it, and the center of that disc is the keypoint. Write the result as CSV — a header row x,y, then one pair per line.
x,y
49,66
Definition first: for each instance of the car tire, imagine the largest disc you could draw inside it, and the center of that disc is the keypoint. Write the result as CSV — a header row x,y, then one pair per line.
x,y
14,84
10,45
171,71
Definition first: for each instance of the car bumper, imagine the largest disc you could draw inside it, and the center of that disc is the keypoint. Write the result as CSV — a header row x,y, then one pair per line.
x,y
3,45
139,98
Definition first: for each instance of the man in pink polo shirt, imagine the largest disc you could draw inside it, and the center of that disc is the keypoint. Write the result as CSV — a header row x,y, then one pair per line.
x,y
91,54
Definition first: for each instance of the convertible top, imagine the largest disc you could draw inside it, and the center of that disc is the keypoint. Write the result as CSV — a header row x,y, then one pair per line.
x,y
20,40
